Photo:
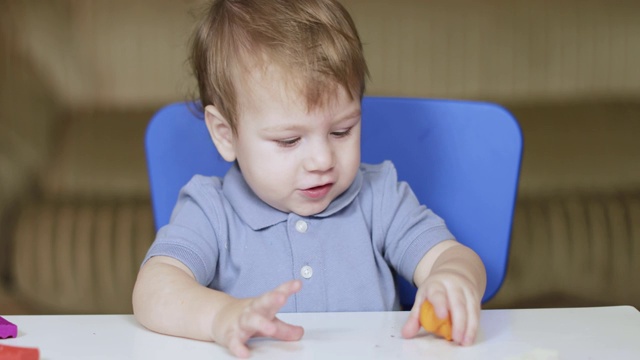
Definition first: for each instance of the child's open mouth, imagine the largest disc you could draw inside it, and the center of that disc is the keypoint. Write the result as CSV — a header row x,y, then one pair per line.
x,y
317,191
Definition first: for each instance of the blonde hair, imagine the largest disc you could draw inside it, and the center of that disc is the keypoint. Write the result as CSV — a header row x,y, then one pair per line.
x,y
316,40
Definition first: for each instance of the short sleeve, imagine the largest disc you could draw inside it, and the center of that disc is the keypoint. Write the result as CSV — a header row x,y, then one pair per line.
x,y
408,229
192,234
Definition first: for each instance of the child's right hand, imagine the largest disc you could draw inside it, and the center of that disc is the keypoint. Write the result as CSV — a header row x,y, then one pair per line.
x,y
243,319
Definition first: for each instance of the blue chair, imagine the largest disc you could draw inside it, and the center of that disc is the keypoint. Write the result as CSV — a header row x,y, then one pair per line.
x,y
461,158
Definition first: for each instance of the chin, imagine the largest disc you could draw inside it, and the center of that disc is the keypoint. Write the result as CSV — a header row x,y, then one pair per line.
x,y
312,210
307,212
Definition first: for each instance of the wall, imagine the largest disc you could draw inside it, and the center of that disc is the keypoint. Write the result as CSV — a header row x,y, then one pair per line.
x,y
128,53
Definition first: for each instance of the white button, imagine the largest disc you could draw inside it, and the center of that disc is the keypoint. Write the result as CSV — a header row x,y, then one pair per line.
x,y
306,272
301,226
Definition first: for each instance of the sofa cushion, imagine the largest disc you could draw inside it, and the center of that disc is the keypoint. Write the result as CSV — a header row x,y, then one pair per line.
x,y
574,249
80,256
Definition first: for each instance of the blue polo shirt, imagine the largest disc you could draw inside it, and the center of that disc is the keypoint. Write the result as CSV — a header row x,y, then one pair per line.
x,y
345,256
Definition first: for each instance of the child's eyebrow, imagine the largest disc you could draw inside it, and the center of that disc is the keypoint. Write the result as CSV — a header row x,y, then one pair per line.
x,y
295,127
282,128
355,113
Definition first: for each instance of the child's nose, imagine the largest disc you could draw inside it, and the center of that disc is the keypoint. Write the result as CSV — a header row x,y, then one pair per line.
x,y
321,157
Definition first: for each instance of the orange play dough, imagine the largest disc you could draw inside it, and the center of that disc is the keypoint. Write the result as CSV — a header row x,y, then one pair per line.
x,y
432,323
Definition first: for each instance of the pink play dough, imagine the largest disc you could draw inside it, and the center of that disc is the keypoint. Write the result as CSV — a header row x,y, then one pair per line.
x,y
7,329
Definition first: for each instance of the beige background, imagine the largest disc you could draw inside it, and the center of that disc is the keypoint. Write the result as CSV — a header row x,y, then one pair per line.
x,y
80,79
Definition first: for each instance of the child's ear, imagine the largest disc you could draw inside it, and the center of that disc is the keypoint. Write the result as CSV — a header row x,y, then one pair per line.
x,y
221,132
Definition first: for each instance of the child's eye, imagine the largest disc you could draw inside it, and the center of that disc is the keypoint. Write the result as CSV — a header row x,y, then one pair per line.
x,y
341,134
287,142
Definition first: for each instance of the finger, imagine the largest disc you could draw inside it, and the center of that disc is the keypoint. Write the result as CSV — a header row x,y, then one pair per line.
x,y
238,348
287,332
260,316
271,302
412,325
473,320
289,288
277,329
440,301
459,316
254,322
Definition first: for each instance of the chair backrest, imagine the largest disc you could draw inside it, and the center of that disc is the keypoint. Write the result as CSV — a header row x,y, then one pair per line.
x,y
461,158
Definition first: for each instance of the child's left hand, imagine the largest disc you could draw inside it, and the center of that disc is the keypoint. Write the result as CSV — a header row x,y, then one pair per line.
x,y
454,287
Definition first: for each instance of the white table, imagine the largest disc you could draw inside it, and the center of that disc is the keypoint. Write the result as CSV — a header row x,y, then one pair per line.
x,y
573,333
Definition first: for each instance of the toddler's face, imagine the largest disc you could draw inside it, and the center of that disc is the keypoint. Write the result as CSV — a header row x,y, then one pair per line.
x,y
296,160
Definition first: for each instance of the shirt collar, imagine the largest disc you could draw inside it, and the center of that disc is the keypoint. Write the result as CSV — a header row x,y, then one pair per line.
x,y
259,215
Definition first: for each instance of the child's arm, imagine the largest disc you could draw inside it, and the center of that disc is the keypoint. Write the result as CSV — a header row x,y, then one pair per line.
x,y
167,299
452,277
